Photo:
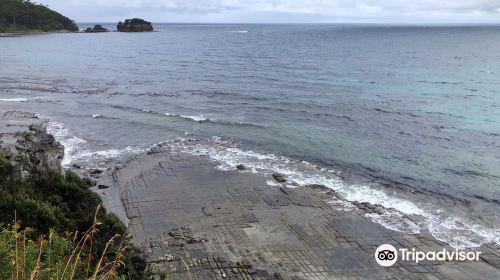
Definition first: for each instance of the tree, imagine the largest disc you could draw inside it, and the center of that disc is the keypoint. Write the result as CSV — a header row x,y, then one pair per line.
x,y
24,15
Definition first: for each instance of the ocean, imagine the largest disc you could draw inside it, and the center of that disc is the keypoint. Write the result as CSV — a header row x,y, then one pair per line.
x,y
404,116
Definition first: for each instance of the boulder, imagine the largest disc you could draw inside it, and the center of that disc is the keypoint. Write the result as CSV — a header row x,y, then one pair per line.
x,y
134,25
97,29
241,167
95,173
279,177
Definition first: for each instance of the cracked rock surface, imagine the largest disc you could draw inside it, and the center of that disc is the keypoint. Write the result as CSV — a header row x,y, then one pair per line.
x,y
197,222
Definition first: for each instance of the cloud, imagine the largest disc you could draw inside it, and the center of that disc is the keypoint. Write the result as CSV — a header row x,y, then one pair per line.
x,y
282,10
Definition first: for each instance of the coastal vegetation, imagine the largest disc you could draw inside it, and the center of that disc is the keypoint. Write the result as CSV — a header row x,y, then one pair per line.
x,y
27,16
52,227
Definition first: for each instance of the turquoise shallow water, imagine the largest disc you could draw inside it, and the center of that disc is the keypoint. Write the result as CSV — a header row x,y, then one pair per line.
x,y
407,115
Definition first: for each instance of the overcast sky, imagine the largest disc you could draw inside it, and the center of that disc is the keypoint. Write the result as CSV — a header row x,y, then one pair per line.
x,y
282,11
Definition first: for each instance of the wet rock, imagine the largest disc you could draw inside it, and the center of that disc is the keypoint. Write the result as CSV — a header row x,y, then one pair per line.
x,y
96,173
241,167
154,150
369,205
317,186
25,142
279,177
134,25
361,206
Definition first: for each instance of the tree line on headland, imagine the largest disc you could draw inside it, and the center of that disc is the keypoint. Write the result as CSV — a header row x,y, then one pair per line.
x,y
25,16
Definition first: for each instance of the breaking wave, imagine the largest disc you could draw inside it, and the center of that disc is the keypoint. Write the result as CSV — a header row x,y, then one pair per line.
x,y
193,118
202,119
19,99
76,149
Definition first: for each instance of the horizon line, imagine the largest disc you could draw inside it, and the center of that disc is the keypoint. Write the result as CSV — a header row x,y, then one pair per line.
x,y
316,23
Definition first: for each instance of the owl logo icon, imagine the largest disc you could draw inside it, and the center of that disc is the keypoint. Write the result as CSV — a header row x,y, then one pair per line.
x,y
386,255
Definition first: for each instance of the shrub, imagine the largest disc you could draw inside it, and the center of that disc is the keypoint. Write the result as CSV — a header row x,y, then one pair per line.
x,y
47,203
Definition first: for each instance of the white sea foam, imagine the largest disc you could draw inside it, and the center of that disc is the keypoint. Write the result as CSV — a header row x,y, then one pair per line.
x,y
76,149
239,31
396,221
193,118
96,116
96,157
72,144
18,99
401,214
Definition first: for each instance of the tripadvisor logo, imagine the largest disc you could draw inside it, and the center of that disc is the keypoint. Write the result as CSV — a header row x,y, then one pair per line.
x,y
387,255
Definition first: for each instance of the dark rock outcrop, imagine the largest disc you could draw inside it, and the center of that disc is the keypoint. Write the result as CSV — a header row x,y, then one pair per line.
x,y
241,167
25,142
97,29
134,25
317,186
71,25
279,177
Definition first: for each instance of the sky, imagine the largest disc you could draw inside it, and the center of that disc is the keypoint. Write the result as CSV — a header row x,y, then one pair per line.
x,y
282,11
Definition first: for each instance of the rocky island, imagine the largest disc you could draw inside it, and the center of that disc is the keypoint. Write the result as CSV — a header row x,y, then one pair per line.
x,y
134,25
97,29
26,16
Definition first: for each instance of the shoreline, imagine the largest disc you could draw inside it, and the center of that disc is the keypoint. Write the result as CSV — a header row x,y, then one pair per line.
x,y
192,219
34,32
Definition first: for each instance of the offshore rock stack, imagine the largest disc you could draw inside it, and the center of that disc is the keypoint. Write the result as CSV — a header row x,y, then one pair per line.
x,y
134,25
97,29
